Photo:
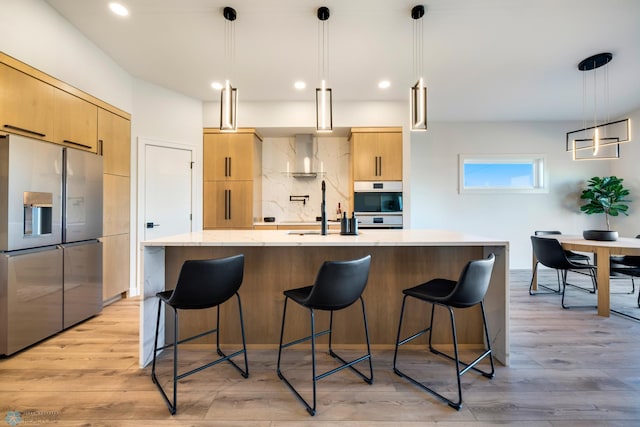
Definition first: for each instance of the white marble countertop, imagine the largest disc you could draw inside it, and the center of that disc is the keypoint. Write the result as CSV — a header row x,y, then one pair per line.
x,y
368,237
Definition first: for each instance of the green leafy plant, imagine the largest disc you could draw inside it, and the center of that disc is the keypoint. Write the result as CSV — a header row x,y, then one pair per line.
x,y
605,195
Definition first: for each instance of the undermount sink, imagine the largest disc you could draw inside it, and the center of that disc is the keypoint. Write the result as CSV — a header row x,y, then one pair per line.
x,y
316,232
305,232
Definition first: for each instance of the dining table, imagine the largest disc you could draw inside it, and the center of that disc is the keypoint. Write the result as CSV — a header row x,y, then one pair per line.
x,y
602,251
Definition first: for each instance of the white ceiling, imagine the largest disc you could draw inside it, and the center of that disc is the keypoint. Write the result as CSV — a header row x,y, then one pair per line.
x,y
484,59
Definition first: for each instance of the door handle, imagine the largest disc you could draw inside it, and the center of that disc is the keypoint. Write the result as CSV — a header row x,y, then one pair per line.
x,y
152,225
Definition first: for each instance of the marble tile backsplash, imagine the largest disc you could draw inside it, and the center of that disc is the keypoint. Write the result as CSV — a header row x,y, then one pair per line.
x,y
331,159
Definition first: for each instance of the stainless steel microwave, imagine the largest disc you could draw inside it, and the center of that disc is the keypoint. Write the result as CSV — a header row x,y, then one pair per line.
x,y
384,196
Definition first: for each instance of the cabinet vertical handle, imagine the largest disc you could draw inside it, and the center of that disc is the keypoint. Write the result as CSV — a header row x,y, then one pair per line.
x,y
225,204
380,169
229,167
226,173
229,204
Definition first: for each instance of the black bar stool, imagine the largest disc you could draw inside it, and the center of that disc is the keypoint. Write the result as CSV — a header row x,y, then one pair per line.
x,y
468,291
201,284
338,285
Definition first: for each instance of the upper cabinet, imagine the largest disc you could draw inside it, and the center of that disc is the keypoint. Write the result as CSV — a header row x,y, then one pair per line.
x,y
229,156
376,154
26,104
114,137
75,121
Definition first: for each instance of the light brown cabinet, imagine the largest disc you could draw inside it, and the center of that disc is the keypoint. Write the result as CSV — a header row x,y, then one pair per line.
x,y
376,154
75,122
228,157
228,204
115,210
115,265
26,104
114,138
232,169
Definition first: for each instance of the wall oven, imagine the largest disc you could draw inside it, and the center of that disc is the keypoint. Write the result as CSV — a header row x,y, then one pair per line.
x,y
378,204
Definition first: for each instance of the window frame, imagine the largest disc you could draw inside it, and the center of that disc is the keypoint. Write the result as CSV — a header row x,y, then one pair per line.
x,y
539,169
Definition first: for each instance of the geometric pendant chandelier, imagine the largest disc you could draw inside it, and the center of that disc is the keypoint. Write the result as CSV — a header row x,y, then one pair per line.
x,y
601,140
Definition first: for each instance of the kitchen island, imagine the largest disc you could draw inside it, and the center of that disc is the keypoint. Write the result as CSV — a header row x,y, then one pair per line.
x,y
276,260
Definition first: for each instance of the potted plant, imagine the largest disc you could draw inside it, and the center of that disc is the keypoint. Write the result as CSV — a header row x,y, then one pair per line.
x,y
604,195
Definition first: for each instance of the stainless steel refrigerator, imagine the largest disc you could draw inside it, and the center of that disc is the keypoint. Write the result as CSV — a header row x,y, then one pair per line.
x,y
50,255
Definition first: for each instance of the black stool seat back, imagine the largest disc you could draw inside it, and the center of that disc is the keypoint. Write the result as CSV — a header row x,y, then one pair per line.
x,y
339,284
194,289
472,284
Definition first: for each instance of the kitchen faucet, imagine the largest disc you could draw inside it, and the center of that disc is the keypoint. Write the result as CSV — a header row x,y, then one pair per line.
x,y
323,211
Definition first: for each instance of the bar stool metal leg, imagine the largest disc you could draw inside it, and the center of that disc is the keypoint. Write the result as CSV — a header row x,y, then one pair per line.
x,y
311,408
245,372
171,405
455,358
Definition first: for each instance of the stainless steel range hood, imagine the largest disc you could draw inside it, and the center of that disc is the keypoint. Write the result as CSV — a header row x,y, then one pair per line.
x,y
304,165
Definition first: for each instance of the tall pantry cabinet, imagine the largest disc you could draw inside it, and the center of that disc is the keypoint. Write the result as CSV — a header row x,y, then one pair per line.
x,y
232,171
114,136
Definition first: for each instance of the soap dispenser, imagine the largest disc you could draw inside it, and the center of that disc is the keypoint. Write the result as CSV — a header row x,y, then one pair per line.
x,y
353,224
344,224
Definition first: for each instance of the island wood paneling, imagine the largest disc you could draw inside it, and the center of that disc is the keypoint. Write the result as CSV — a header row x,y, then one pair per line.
x,y
271,270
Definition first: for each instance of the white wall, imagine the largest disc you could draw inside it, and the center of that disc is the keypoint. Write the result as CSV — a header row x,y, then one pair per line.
x,y
36,34
436,202
627,167
164,115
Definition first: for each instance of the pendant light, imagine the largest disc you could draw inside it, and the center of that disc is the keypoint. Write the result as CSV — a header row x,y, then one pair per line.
x,y
418,94
324,104
600,141
228,94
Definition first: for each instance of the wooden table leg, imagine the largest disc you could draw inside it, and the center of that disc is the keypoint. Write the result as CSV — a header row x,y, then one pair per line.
x,y
604,296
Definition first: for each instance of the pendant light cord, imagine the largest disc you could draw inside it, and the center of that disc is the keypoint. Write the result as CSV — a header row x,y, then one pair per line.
x,y
418,51
229,48
323,49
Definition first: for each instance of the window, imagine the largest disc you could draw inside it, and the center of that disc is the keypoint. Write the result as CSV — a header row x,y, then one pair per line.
x,y
521,173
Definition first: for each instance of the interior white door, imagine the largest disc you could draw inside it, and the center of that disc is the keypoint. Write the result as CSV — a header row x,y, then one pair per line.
x,y
167,196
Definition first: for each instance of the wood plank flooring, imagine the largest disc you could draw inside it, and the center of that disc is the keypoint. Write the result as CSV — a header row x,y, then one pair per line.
x,y
569,368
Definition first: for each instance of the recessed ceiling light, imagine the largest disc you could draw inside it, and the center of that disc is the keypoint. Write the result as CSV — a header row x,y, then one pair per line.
x,y
384,84
299,85
216,86
118,9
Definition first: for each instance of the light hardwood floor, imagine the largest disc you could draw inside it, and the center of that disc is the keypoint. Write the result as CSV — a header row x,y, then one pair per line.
x,y
569,368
